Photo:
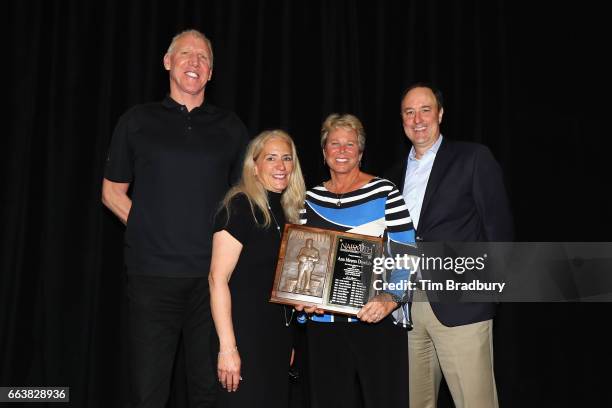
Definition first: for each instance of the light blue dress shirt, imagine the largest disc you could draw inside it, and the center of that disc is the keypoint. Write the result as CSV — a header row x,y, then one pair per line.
x,y
417,176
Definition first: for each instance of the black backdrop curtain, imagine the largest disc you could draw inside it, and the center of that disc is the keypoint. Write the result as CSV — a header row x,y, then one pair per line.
x,y
526,79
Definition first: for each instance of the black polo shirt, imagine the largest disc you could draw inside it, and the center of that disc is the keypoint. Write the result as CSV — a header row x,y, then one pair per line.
x,y
180,164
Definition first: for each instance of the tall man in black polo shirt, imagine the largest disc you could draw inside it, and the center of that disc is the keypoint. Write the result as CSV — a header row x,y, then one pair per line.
x,y
180,156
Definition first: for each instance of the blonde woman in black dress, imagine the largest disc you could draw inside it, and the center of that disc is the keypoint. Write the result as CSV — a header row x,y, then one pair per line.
x,y
254,337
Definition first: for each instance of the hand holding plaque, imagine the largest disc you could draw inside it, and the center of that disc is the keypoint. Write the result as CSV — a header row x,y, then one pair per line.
x,y
331,270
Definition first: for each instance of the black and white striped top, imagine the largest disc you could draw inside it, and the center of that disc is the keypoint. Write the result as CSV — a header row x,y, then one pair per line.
x,y
373,209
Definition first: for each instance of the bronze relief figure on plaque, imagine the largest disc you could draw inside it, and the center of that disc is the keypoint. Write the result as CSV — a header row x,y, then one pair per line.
x,y
305,262
308,257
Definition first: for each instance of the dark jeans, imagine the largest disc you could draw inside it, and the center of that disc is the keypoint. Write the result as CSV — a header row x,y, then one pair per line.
x,y
160,310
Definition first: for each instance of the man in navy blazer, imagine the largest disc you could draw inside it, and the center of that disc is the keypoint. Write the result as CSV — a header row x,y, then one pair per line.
x,y
454,192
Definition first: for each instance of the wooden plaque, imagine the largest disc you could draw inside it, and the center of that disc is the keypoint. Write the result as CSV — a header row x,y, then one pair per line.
x,y
329,269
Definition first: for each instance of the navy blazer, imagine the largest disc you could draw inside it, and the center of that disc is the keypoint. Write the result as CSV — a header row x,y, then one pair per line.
x,y
465,201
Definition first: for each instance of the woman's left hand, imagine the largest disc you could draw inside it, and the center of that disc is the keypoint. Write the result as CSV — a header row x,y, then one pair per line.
x,y
377,308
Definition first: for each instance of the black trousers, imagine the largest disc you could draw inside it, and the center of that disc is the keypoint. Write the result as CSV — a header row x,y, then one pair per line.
x,y
160,310
357,364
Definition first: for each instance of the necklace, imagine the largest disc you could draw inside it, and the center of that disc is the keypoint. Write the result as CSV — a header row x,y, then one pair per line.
x,y
275,222
287,322
348,190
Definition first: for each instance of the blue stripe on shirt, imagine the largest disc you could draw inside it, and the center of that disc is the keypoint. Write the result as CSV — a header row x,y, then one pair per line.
x,y
352,216
403,237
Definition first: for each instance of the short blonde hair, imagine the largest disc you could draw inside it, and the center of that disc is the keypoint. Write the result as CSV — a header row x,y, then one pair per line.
x,y
194,33
345,121
293,196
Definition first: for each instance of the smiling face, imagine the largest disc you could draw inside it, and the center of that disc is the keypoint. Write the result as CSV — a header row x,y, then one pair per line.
x,y
341,150
421,118
189,66
274,165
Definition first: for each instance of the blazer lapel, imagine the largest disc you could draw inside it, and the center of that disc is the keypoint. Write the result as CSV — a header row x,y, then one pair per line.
x,y
443,159
403,176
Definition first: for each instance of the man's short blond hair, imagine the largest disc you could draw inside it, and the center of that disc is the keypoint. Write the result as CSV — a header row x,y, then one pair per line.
x,y
194,33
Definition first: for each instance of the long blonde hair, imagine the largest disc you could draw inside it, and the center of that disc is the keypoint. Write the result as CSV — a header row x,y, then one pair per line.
x,y
292,198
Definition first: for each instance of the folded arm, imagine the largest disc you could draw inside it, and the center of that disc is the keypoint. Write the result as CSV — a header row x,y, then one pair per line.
x,y
114,196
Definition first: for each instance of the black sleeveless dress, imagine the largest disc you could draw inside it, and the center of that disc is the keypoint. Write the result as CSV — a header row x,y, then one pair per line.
x,y
262,336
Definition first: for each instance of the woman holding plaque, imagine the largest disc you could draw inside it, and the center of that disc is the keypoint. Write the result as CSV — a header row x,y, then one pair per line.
x,y
367,353
254,338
